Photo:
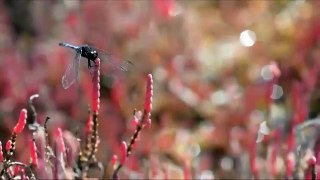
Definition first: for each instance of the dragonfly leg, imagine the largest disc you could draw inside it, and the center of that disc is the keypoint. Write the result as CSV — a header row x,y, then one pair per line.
x,y
89,64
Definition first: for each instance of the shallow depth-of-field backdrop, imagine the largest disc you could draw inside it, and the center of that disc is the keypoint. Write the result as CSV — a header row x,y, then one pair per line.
x,y
235,83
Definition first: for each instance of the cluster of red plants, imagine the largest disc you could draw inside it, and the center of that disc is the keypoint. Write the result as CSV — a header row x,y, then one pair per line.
x,y
287,139
59,154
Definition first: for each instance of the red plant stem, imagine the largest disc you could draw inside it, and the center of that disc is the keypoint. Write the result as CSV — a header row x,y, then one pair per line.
x,y
88,126
149,93
96,87
91,146
290,143
1,152
12,144
33,153
273,160
56,165
16,130
311,170
130,146
92,143
252,154
60,141
165,173
187,171
95,136
47,138
275,151
8,171
145,120
133,139
92,136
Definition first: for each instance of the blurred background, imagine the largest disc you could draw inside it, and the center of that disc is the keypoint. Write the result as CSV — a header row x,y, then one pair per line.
x,y
220,69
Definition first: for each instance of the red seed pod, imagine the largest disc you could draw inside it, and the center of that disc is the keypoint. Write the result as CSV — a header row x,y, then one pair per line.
x,y
21,123
1,152
149,93
114,160
33,153
8,145
123,152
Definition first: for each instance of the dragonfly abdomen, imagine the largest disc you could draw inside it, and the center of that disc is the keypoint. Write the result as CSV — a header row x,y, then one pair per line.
x,y
69,46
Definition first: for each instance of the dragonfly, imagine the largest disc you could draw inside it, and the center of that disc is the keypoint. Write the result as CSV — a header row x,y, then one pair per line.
x,y
91,53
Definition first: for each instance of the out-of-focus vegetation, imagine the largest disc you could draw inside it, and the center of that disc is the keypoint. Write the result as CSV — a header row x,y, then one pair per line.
x,y
221,70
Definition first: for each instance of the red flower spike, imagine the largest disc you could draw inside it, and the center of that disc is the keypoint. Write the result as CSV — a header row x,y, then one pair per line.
x,y
114,160
1,152
33,153
95,101
21,123
123,152
149,93
8,145
59,140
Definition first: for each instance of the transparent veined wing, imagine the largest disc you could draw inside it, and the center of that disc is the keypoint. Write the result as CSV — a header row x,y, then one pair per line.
x,y
71,74
123,65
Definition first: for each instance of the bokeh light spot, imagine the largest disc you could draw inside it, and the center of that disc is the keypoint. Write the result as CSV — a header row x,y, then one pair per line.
x,y
247,38
277,92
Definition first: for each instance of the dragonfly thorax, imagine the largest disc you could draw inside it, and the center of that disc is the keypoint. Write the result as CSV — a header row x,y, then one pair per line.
x,y
88,52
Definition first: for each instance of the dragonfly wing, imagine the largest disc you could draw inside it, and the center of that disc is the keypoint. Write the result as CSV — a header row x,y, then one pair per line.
x,y
71,74
122,65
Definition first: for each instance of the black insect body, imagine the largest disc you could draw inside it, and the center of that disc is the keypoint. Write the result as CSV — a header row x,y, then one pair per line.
x,y
89,53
